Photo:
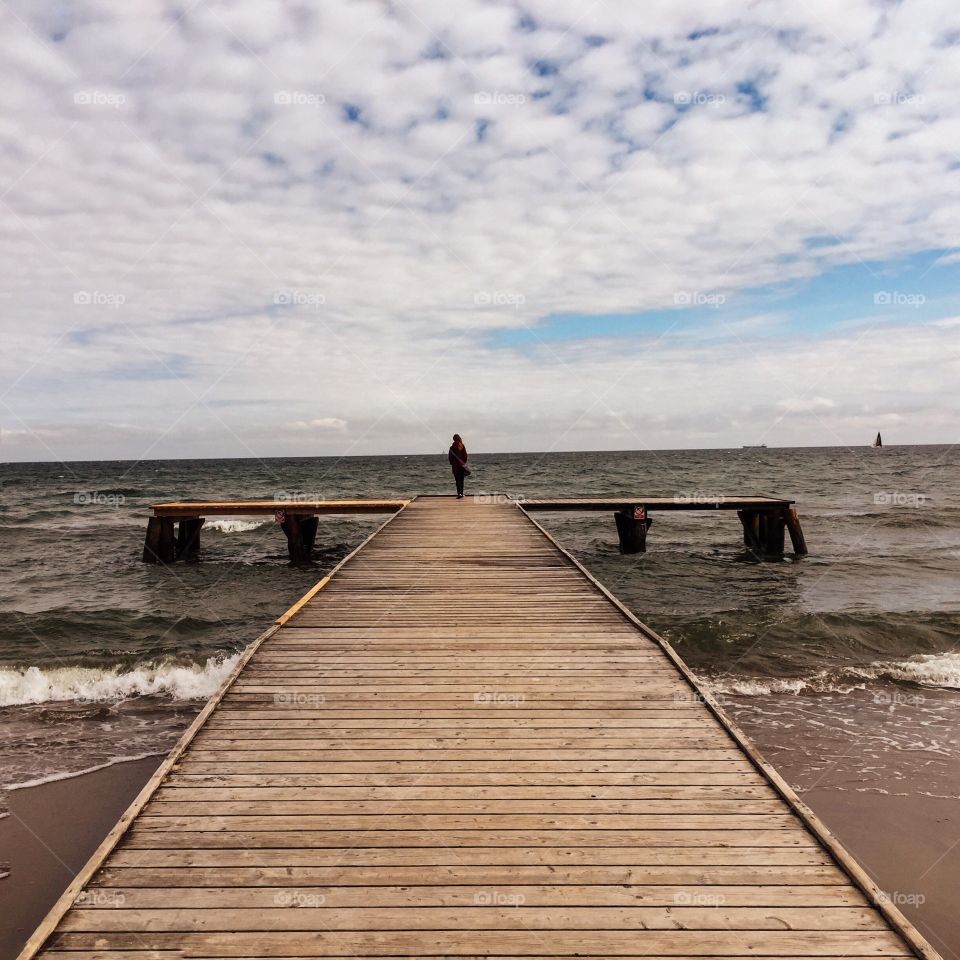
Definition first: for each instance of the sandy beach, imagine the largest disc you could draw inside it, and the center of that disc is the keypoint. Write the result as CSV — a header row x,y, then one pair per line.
x,y
910,846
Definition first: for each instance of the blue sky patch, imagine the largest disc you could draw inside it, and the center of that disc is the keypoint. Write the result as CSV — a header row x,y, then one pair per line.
x,y
913,290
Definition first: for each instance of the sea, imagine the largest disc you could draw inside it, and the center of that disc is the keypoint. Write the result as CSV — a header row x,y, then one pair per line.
x,y
843,665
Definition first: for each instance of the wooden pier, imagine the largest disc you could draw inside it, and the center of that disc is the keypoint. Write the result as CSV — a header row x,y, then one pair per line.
x,y
167,543
173,532
460,745
764,519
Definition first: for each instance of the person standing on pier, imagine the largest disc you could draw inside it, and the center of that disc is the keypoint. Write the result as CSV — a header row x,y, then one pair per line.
x,y
458,462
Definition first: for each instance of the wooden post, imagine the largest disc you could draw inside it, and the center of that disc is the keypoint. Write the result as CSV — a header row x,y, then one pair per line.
x,y
774,526
159,546
763,532
751,529
632,529
792,521
188,538
293,527
308,533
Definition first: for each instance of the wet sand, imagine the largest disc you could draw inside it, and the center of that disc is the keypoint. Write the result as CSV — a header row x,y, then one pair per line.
x,y
50,833
909,844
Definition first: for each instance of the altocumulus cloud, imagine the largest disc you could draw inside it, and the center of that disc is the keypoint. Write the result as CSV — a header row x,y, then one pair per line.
x,y
273,227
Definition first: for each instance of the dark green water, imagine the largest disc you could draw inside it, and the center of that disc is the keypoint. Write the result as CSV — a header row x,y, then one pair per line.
x,y
102,657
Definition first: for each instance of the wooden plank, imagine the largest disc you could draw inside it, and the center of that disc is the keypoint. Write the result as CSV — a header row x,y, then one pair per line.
x,y
389,806
297,912
253,508
400,822
435,855
341,880
566,504
151,839
454,943
469,892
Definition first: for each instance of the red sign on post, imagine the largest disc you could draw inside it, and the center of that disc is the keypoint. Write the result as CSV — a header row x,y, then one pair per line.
x,y
639,513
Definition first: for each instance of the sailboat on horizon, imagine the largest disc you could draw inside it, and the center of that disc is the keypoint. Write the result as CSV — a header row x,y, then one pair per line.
x,y
878,442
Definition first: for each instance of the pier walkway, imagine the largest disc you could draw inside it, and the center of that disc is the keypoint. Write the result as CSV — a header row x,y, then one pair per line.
x,y
459,745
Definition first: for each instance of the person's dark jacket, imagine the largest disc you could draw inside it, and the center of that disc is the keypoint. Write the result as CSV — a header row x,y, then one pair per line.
x,y
457,457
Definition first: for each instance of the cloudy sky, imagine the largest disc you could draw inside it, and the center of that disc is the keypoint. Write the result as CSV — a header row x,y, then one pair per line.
x,y
266,227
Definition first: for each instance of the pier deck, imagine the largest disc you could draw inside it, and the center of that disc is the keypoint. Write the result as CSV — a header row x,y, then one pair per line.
x,y
459,745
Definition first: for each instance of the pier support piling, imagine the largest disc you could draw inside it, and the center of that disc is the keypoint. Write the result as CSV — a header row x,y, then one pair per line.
x,y
751,529
632,526
301,533
764,532
797,539
159,545
772,526
188,538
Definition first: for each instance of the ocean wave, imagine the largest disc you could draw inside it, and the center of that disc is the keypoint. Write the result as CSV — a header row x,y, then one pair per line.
x,y
233,525
927,670
761,686
20,686
941,670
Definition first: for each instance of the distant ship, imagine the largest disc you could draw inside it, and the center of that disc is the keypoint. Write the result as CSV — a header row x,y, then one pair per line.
x,y
756,446
878,442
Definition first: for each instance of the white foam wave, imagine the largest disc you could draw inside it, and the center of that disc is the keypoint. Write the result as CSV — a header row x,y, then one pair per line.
x,y
927,670
31,685
756,686
233,525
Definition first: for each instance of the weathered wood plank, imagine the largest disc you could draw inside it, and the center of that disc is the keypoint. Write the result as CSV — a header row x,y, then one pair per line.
x,y
453,943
